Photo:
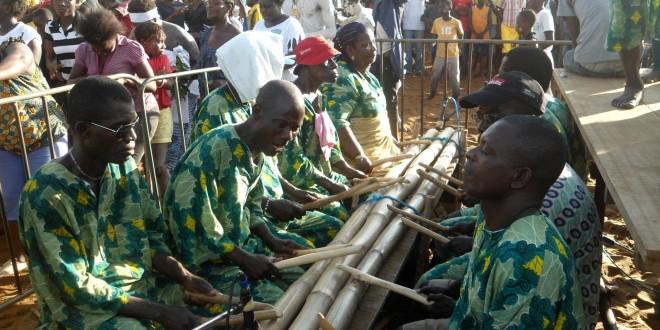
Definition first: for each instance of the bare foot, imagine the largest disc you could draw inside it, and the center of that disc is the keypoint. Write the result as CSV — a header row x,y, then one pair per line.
x,y
630,98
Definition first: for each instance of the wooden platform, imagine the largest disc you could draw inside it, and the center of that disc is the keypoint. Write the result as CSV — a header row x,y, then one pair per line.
x,y
625,145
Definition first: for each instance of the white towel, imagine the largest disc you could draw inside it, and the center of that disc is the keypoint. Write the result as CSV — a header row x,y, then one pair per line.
x,y
250,60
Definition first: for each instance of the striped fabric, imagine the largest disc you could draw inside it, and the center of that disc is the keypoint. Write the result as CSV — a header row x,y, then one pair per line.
x,y
511,10
65,42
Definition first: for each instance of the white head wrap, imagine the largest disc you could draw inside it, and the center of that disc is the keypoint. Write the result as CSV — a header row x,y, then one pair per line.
x,y
250,60
137,18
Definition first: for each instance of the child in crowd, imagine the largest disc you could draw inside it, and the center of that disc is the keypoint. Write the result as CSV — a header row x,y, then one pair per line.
x,y
480,21
509,12
152,37
544,29
524,24
446,28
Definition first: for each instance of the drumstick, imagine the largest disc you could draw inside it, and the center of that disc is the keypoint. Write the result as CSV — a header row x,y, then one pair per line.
x,y
314,257
423,230
443,175
319,203
223,299
416,141
402,290
297,253
270,314
324,324
447,188
418,218
390,159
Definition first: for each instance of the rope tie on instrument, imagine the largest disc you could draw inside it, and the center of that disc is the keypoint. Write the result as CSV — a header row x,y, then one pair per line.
x,y
376,197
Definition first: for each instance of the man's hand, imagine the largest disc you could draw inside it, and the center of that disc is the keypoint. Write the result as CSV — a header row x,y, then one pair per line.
x,y
284,246
54,71
460,245
173,317
195,284
443,305
363,163
335,188
255,266
284,210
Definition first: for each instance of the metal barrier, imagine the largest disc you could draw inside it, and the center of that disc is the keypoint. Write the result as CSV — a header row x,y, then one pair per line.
x,y
470,56
149,160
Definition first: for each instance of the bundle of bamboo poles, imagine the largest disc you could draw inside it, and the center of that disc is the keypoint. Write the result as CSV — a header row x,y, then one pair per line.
x,y
324,288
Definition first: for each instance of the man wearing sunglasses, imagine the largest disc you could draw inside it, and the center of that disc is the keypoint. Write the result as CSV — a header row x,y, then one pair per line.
x,y
96,240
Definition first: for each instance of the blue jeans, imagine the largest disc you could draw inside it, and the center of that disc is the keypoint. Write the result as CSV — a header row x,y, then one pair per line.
x,y
414,49
12,174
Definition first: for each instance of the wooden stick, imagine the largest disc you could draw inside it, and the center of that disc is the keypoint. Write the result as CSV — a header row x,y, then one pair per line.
x,y
402,290
443,175
298,253
324,324
425,231
415,141
223,299
418,218
447,188
319,203
314,257
390,159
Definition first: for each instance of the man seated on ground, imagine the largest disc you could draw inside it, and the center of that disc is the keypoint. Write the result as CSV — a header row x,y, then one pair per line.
x,y
214,200
96,240
586,22
567,203
230,104
520,273
313,160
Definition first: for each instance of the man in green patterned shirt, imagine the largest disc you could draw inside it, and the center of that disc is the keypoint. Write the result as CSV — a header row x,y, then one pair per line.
x,y
214,200
97,244
521,273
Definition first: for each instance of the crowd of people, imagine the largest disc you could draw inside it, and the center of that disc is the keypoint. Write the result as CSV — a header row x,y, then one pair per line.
x,y
302,103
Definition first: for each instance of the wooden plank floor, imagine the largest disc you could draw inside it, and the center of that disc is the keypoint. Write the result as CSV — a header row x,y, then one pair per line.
x,y
625,144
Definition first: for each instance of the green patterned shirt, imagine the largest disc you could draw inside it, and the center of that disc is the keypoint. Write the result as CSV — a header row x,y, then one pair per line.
x,y
87,254
577,150
522,277
302,161
353,96
217,109
214,198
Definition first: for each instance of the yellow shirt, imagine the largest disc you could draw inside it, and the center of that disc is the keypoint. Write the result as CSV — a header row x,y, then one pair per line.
x,y
447,30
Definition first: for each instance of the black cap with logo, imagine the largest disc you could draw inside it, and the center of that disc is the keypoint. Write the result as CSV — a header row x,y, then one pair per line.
x,y
505,86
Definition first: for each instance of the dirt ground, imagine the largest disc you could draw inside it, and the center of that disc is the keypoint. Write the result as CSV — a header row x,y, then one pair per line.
x,y
632,306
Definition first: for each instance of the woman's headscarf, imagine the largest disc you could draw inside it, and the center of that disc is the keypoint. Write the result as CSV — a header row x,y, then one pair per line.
x,y
250,60
388,15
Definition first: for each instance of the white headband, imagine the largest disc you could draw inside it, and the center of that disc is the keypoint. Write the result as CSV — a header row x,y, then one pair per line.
x,y
144,17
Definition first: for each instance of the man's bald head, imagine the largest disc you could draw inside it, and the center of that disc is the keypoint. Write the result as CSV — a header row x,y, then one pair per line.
x,y
277,115
517,154
280,96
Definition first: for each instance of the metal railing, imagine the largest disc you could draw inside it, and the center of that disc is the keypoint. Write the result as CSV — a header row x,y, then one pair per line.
x,y
470,57
150,169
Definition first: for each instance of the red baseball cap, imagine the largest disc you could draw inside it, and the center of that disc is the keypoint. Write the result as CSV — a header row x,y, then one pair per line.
x,y
314,51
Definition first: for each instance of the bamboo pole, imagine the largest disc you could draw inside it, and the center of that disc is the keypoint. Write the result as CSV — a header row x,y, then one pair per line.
x,y
348,299
314,257
369,279
331,281
415,141
443,175
391,159
447,188
295,296
418,218
423,230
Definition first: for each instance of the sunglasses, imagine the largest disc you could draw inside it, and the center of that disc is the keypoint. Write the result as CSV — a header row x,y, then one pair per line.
x,y
121,130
